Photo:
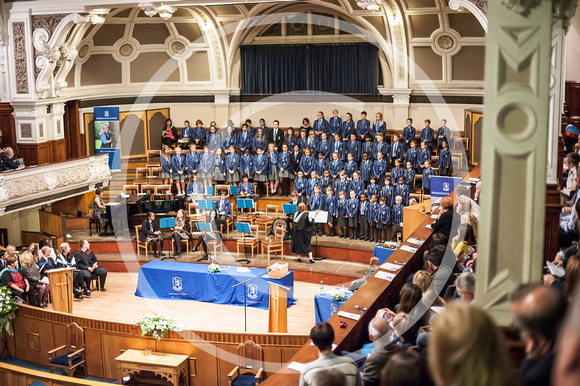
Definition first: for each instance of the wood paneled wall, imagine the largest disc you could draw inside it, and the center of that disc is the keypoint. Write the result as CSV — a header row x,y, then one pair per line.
x,y
7,125
42,153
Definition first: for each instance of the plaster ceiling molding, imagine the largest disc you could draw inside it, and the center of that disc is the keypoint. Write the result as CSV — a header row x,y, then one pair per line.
x,y
564,10
445,42
21,72
477,7
522,7
124,50
178,47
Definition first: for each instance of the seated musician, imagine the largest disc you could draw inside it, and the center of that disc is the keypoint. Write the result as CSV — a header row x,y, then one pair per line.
x,y
224,210
87,263
151,234
65,259
210,218
8,161
99,210
246,188
181,231
194,187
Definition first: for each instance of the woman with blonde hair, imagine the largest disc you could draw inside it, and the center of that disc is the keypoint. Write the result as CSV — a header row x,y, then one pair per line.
x,y
31,271
423,280
467,348
181,231
11,249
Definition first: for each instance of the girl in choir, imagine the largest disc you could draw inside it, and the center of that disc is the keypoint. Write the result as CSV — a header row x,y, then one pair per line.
x,y
388,191
214,140
246,188
396,172
347,127
366,168
342,184
166,166
206,167
316,202
409,175
412,153
373,188
357,184
290,139
338,146
423,155
335,123
380,126
178,167
273,171
335,166
427,173
326,180
402,190
192,160
341,216
350,166
352,208
353,147
232,166
369,147
261,169
373,209
364,214
397,218
383,220
311,183
380,167
260,140
300,186
247,164
302,140
330,206
285,175
320,165
306,162
194,187
230,138
312,142
444,161
219,174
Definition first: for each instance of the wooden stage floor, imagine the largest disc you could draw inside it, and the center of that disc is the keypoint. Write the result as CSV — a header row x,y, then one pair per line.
x,y
119,304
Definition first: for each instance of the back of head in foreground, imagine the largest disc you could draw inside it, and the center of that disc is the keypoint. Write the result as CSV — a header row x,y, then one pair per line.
x,y
467,348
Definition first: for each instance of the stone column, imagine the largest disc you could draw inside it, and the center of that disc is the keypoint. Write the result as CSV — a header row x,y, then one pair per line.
x,y
516,130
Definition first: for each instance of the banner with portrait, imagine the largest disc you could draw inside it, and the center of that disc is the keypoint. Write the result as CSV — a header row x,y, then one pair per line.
x,y
107,137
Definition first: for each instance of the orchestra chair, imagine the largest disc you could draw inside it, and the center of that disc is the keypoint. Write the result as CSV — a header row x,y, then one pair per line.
x,y
215,245
251,242
249,217
141,172
250,365
156,172
141,244
274,246
153,158
268,219
266,184
192,208
219,188
74,352
417,185
131,189
161,191
148,189
96,279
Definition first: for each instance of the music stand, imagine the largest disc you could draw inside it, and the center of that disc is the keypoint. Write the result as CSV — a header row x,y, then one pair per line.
x,y
243,228
289,210
205,227
168,222
244,203
323,213
206,204
210,191
234,190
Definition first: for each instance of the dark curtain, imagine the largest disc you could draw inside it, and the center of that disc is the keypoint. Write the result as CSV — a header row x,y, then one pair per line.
x,y
337,68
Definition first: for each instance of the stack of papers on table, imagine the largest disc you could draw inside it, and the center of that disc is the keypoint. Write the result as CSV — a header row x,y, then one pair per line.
x,y
409,248
385,275
390,266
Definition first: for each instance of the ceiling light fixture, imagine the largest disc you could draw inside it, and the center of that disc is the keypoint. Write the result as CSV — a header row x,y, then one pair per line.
x,y
370,5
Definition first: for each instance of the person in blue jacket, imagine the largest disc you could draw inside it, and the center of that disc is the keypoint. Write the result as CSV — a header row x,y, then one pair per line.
x,y
232,166
246,188
347,127
363,219
273,174
194,187
316,202
229,138
311,183
300,186
320,125
260,140
186,134
338,147
199,134
311,143
247,164
366,168
178,167
396,150
380,167
335,165
335,123
427,134
306,163
409,133
357,184
380,145
320,165
368,146
352,212
342,184
214,140
302,140
350,166
219,170
261,168
427,173
224,211
192,161
244,139
402,189
331,208
409,174
206,167
379,126
412,153
353,147
285,173
373,188
396,172
373,209
443,133
388,192
383,220
363,126
341,216
397,218
444,159
166,171
423,155
290,138
325,146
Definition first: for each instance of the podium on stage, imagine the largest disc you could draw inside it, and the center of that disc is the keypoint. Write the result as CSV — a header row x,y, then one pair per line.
x,y
61,289
413,216
278,309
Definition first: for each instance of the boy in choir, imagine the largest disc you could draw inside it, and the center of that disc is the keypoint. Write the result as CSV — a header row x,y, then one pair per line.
x,y
285,173
397,218
380,146
206,167
320,125
335,123
311,183
363,126
409,174
396,151
192,161
178,167
380,126
295,158
373,188
338,146
364,212
330,206
383,219
444,161
273,176
373,209
320,165
247,164
427,173
397,171
366,168
326,180
244,139
300,186
307,163
251,130
350,166
342,184
352,209
402,189
443,133
325,146
357,184
261,168
194,187
265,129
380,167
312,143
353,147
302,140
232,166
347,128
224,211
388,191
341,216
186,134
335,166
412,153
246,188
230,138
199,134
408,134
316,202
427,134
369,147
423,155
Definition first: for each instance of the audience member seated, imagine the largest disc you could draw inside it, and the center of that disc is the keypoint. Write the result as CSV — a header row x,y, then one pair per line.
x,y
8,161
568,232
12,277
46,261
465,287
467,348
406,332
151,233
87,263
423,280
31,271
322,336
446,218
406,368
46,243
374,265
567,366
567,282
329,377
571,161
3,259
379,330
66,259
538,312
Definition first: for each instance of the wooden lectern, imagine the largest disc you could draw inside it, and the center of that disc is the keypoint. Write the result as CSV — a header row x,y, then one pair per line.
x,y
278,308
61,289
413,217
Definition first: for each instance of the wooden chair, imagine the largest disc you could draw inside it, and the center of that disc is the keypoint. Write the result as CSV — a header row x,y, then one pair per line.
x,y
141,244
141,173
250,365
74,352
96,279
266,184
186,241
149,189
153,158
192,208
156,172
131,189
96,222
249,217
268,219
215,245
251,242
274,246
161,191
220,188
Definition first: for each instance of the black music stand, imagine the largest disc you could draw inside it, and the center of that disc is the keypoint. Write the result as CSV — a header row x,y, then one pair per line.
x,y
243,228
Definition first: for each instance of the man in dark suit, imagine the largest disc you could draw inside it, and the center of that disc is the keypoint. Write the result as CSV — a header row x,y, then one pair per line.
x,y
87,263
379,334
8,161
276,136
3,259
295,157
151,234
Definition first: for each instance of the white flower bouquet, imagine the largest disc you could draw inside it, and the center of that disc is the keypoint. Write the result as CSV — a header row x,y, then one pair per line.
x,y
213,268
8,307
340,294
157,325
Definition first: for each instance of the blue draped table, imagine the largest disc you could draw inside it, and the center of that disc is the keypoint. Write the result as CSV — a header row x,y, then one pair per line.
x,y
173,280
383,253
325,306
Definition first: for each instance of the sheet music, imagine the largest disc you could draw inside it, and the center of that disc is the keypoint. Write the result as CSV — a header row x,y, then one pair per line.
x,y
321,218
296,366
349,315
390,266
434,215
409,248
385,275
415,241
556,271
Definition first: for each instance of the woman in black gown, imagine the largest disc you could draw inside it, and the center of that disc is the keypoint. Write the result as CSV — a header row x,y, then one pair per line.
x,y
302,228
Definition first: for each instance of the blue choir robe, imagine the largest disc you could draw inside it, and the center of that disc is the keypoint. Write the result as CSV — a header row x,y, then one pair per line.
x,y
194,188
379,127
326,182
178,164
353,147
192,160
427,173
427,135
214,141
347,129
232,162
389,193
366,168
224,206
395,174
300,186
273,157
373,189
380,146
374,213
261,164
165,165
335,166
316,201
221,162
335,125
199,133
261,143
302,142
284,161
409,133
409,175
229,140
369,148
396,151
320,165
403,191
310,184
383,215
358,186
398,213
247,164
350,167
422,156
380,168
446,133
320,125
244,140
342,186
444,158
352,205
325,147
363,210
338,147
330,205
246,188
411,155
307,164
363,127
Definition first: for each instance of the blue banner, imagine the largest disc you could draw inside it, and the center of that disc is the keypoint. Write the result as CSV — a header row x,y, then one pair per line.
x,y
106,114
442,187
107,134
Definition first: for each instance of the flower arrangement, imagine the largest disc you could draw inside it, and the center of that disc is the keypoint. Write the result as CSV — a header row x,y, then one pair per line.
x,y
8,307
157,325
213,268
340,294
